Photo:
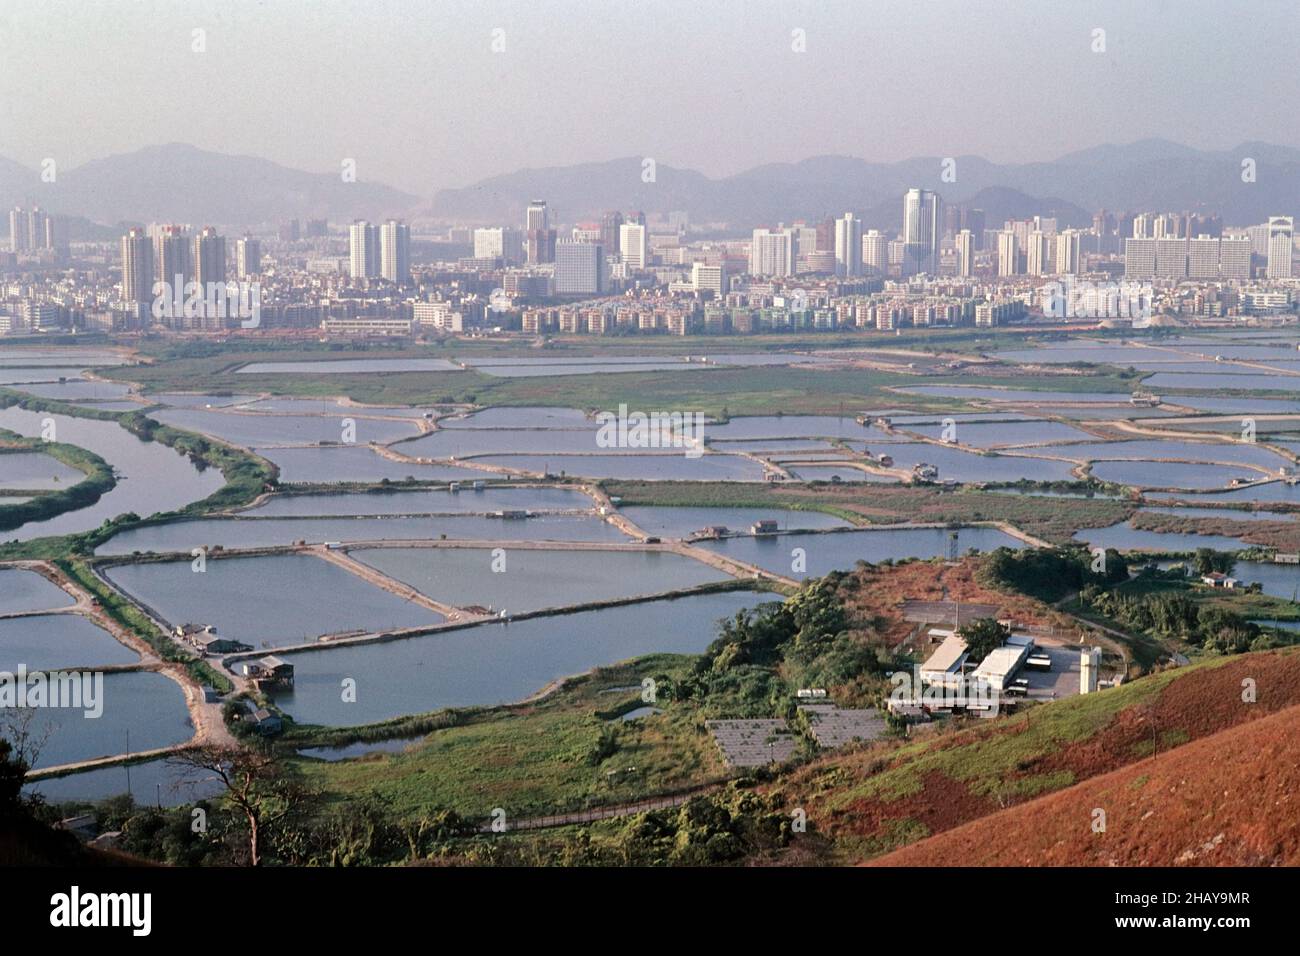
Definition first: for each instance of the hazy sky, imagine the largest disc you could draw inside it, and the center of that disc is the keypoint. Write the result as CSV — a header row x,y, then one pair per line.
x,y
413,91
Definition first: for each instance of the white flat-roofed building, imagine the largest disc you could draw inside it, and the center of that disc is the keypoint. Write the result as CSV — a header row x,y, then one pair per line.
x,y
943,668
438,315
1001,665
366,325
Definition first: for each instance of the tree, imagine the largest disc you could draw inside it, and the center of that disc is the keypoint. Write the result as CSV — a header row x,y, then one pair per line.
x,y
982,636
1208,561
256,788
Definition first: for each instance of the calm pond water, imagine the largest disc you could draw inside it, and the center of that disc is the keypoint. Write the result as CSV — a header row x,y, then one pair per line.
x,y
198,399
78,388
840,550
1242,453
787,426
673,466
831,473
142,711
496,663
461,442
535,579
63,355
1015,394
267,532
988,434
22,590
1163,474
680,522
1124,537
23,376
54,641
970,466
359,749
152,477
268,601
1274,491
491,498
1265,383
1280,625
1232,514
358,463
246,429
36,471
151,782
1097,353
349,366
337,407
774,445
1243,406
1279,580
522,417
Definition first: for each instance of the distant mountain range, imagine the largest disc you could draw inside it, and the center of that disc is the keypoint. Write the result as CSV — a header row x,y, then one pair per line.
x,y
182,183
1145,175
179,183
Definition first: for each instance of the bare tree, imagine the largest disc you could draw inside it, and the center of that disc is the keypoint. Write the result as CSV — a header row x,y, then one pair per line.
x,y
256,787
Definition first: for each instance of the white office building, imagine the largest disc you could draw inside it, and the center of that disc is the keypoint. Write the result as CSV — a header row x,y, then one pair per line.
x,y
1281,229
772,252
848,245
579,268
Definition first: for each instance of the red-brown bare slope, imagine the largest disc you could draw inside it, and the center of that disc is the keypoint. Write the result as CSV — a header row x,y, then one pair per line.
x,y
1229,799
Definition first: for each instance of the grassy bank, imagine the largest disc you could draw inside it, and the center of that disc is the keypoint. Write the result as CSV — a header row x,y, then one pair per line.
x,y
246,476
99,481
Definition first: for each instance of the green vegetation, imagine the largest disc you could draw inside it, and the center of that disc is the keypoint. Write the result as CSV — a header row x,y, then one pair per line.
x,y
565,752
1050,574
246,475
1041,516
99,480
1166,606
983,636
716,391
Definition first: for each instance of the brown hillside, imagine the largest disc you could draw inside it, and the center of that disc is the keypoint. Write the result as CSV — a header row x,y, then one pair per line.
x,y
881,797
1230,799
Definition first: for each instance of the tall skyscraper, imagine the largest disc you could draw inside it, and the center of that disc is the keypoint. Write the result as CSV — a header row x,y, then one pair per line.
x,y
209,258
772,252
1069,252
633,245
1036,263
1139,258
17,229
1008,254
1281,230
248,257
875,253
29,230
363,250
1234,257
137,269
848,245
921,231
539,237
172,259
395,251
579,268
609,234
974,221
965,243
